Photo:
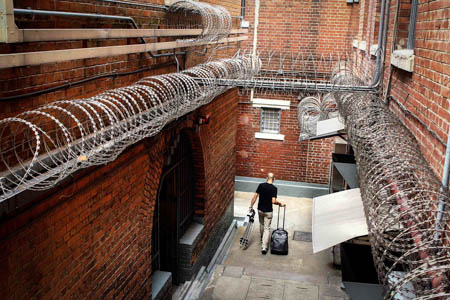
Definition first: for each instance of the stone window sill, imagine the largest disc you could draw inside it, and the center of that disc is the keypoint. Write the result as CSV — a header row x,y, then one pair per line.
x,y
160,283
373,49
361,45
271,103
269,136
403,59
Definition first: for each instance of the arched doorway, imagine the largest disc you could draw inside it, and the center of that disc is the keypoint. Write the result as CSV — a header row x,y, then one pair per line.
x,y
174,209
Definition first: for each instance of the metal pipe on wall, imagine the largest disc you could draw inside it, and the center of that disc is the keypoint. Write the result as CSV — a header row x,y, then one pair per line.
x,y
445,178
22,11
255,39
149,5
87,15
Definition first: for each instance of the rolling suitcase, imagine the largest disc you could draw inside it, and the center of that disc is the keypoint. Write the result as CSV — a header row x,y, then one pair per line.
x,y
279,241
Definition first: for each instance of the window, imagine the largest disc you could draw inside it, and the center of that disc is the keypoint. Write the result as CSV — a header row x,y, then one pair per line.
x,y
270,120
403,55
406,24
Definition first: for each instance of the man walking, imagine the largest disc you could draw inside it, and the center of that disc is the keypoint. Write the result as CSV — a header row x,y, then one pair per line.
x,y
267,193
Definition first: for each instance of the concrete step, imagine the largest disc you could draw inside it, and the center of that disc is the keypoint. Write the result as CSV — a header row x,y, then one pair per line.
x,y
181,293
196,284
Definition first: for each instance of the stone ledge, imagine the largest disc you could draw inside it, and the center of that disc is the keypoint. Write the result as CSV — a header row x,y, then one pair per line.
x,y
160,283
403,59
373,49
271,103
192,234
269,136
362,46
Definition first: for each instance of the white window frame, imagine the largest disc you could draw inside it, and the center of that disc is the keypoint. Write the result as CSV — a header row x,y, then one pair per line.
x,y
270,104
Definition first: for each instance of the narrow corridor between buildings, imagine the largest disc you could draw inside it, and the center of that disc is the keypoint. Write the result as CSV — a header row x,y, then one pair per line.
x,y
247,274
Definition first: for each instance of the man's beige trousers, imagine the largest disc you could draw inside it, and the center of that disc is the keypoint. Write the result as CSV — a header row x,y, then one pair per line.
x,y
265,220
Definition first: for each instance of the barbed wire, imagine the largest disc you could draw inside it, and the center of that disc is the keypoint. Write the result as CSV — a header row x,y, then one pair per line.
x,y
405,204
215,21
41,147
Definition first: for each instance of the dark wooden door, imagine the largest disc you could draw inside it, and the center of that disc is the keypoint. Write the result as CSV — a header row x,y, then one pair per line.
x,y
175,205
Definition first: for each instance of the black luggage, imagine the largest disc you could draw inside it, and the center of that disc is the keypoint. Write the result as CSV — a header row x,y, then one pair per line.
x,y
279,242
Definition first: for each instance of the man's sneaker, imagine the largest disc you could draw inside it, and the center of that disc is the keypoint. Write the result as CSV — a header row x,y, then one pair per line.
x,y
264,251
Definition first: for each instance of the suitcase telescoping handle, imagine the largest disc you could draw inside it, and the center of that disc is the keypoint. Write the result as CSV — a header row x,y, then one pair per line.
x,y
284,216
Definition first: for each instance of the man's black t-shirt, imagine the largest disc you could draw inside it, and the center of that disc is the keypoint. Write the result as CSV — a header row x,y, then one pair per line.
x,y
266,192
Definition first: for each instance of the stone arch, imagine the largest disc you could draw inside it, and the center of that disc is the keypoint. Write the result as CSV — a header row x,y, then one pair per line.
x,y
199,174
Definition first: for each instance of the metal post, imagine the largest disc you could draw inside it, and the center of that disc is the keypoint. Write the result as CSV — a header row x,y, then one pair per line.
x,y
255,41
445,178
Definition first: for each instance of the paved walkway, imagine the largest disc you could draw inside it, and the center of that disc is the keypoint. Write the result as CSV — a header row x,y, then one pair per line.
x,y
249,275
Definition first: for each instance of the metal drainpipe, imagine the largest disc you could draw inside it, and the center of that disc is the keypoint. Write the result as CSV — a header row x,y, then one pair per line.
x,y
86,15
150,5
445,178
255,41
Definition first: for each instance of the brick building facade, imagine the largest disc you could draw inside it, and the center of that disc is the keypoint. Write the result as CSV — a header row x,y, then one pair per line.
x,y
289,159
420,96
313,28
91,236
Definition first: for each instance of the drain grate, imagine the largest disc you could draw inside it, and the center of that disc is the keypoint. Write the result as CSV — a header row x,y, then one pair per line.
x,y
302,236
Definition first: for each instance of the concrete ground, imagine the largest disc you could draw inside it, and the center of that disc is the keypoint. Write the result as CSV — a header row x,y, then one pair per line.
x,y
248,275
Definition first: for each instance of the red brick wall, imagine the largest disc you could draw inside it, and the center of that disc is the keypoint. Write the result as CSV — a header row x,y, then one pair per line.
x,y
314,26
306,161
21,80
92,237
218,144
310,26
426,91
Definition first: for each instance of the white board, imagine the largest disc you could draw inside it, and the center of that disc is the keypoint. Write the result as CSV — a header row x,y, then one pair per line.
x,y
336,218
329,126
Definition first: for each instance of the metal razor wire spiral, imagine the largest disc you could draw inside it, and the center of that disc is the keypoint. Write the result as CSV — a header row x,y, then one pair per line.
x,y
41,147
216,21
406,207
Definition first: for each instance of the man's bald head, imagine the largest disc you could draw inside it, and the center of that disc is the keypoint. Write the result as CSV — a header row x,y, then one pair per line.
x,y
270,178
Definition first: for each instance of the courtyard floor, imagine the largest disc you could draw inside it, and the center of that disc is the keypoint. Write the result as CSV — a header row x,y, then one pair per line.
x,y
248,275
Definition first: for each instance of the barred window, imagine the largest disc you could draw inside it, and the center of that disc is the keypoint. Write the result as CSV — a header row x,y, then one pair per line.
x,y
270,120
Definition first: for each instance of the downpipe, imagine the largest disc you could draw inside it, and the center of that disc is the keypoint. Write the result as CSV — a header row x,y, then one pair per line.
x,y
445,178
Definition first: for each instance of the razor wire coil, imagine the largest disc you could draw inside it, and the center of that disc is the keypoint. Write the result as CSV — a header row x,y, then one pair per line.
x,y
41,147
401,196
